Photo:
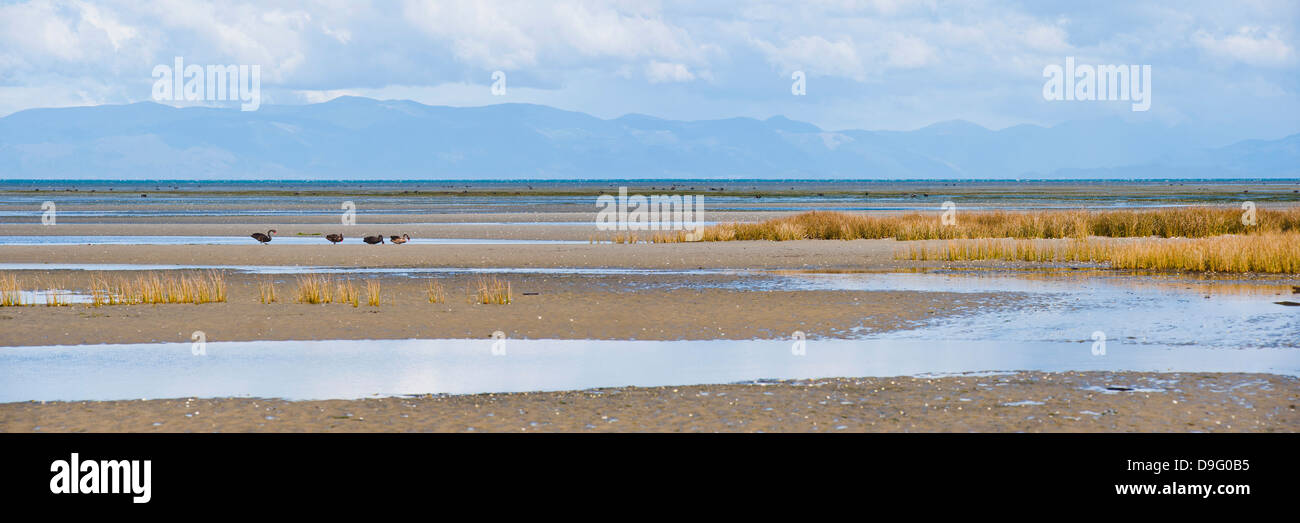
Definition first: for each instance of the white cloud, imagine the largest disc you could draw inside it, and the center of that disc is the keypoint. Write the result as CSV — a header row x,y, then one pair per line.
x,y
815,55
513,34
908,52
62,31
1250,45
663,72
342,35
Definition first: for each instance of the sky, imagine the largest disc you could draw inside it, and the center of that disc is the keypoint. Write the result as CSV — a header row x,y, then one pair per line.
x,y
1226,67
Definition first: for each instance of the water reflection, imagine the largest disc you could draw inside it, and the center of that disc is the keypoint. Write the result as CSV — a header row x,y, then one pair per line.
x,y
354,369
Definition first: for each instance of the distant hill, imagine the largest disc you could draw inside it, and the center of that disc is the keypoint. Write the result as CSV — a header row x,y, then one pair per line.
x,y
359,138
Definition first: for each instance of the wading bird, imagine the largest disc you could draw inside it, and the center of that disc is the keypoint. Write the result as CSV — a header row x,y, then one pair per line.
x,y
264,238
398,240
334,238
373,239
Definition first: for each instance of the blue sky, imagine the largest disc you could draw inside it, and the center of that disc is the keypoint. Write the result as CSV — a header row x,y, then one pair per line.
x,y
1230,68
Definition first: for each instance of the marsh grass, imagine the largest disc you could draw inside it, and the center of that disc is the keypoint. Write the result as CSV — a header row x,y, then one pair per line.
x,y
10,291
680,236
154,289
318,289
1191,222
372,293
266,292
626,239
436,293
314,288
57,298
346,292
1277,253
489,290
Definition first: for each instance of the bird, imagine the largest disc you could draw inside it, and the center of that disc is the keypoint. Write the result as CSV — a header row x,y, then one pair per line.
x,y
372,240
398,240
334,238
264,238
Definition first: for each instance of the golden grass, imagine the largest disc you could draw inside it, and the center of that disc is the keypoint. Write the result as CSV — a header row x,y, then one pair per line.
x,y
372,293
266,292
629,239
633,238
57,298
318,288
10,291
314,288
1272,252
435,292
1190,222
347,293
491,291
153,289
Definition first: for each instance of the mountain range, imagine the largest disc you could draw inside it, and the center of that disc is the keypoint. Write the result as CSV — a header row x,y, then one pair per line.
x,y
362,138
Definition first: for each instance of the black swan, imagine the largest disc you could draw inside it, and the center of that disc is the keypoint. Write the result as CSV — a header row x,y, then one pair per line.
x,y
264,238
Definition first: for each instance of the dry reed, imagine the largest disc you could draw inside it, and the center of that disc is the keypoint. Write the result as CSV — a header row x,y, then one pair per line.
x,y
1191,222
314,288
11,294
491,291
372,293
153,289
1277,253
266,292
435,292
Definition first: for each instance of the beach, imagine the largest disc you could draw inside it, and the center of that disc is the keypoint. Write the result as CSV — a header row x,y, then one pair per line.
x,y
1018,402
1032,324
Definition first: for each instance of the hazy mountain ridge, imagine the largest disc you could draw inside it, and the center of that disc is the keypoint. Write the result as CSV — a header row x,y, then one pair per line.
x,y
361,138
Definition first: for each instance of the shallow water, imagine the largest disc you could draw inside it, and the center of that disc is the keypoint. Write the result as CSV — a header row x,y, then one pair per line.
x,y
301,370
42,297
1126,310
1146,323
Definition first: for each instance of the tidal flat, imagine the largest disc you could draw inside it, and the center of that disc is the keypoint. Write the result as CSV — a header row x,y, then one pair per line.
x,y
755,335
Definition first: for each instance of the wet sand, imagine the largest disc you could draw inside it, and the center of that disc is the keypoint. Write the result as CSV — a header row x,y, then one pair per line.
x,y
857,254
564,307
1028,402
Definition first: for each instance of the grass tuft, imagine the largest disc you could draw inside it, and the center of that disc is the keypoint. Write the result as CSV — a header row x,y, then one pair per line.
x,y
491,291
10,291
266,291
435,292
372,293
314,288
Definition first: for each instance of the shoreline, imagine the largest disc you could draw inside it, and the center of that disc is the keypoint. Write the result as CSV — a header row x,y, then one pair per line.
x,y
1010,402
